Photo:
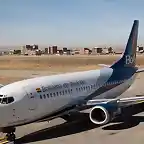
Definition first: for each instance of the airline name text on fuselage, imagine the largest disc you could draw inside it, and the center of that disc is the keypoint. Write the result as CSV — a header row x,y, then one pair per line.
x,y
64,85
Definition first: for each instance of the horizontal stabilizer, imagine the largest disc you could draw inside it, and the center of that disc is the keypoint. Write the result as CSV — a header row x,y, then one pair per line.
x,y
104,65
140,70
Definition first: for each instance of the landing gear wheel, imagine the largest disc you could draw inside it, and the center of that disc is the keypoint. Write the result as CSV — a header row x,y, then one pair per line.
x,y
10,136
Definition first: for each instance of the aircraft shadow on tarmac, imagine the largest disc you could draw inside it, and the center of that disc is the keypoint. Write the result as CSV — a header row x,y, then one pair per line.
x,y
126,121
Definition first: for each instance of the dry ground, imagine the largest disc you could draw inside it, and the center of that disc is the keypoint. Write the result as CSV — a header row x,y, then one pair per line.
x,y
53,64
48,62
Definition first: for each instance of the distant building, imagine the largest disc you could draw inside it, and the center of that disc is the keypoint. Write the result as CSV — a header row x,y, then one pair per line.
x,y
11,52
94,51
35,47
38,52
60,52
49,50
54,49
64,49
46,51
68,52
24,50
110,50
81,51
99,50
29,49
87,51
105,51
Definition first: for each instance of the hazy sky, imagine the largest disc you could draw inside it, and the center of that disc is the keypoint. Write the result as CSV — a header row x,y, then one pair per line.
x,y
69,22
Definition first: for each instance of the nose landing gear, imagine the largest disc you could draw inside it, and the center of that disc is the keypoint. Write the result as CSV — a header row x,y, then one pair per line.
x,y
10,134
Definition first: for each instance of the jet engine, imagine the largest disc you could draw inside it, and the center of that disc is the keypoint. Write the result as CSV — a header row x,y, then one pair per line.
x,y
103,114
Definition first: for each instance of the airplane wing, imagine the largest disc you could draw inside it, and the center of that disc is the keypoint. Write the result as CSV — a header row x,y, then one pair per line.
x,y
123,102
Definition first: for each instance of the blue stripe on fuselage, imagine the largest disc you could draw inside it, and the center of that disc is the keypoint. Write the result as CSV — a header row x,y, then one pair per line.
x,y
113,75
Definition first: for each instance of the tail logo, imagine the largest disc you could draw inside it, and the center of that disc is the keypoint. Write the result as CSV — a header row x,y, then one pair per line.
x,y
129,59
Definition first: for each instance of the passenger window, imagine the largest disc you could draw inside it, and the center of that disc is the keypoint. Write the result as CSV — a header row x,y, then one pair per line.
x,y
66,91
54,94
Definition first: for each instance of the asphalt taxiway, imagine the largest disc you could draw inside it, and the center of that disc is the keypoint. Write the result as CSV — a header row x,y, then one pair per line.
x,y
129,129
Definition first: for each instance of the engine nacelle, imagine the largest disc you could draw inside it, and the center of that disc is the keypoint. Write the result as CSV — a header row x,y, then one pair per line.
x,y
101,115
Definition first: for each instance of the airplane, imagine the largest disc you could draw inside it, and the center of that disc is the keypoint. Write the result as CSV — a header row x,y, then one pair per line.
x,y
47,97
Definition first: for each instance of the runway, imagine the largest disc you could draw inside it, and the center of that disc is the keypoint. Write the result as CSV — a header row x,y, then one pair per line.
x,y
82,131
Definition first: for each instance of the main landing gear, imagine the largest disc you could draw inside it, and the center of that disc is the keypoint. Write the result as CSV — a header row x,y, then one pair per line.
x,y
10,134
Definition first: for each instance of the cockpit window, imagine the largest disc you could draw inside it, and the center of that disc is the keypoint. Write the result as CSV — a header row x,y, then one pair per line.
x,y
6,100
10,99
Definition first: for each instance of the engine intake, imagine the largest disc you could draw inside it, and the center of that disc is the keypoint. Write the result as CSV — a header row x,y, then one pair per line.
x,y
101,115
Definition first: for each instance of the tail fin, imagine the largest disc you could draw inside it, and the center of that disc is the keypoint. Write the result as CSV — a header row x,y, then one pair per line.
x,y
128,58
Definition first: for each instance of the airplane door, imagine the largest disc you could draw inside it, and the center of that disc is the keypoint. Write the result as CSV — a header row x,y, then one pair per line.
x,y
32,98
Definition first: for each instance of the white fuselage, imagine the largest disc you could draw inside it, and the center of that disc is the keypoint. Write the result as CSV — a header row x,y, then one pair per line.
x,y
39,97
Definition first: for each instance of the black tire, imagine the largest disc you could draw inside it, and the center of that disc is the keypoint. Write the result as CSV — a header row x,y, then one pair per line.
x,y
11,137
